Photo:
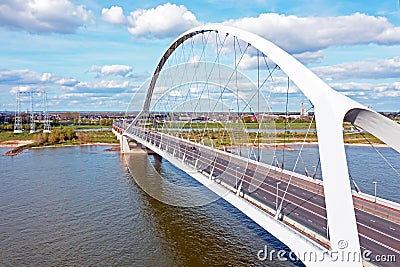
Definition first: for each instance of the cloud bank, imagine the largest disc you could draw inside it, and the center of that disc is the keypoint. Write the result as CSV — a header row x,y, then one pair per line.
x,y
113,15
372,69
43,16
295,34
161,22
111,70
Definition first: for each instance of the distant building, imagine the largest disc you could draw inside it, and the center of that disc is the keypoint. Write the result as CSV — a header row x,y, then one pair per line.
x,y
68,116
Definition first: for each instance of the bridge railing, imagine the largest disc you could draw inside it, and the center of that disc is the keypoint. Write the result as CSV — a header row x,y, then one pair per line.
x,y
222,167
219,167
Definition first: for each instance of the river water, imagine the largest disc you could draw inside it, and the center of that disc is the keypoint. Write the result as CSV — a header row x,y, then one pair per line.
x,y
81,206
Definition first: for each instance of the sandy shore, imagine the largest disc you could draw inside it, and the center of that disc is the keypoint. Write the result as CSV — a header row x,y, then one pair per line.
x,y
375,145
17,146
18,143
15,143
86,144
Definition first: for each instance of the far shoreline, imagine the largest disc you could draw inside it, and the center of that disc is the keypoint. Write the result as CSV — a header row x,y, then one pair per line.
x,y
291,145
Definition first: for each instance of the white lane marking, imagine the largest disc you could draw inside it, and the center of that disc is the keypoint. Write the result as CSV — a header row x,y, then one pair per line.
x,y
379,243
380,232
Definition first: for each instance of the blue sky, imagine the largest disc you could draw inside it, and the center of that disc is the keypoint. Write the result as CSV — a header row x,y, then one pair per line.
x,y
92,54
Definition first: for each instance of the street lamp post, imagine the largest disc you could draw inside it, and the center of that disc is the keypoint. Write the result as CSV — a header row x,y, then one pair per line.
x,y
375,190
277,191
236,177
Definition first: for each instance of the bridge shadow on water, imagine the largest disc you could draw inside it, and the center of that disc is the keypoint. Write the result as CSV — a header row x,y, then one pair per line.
x,y
212,234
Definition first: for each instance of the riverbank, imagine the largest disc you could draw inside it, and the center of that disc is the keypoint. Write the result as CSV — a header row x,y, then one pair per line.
x,y
70,145
15,143
59,137
18,146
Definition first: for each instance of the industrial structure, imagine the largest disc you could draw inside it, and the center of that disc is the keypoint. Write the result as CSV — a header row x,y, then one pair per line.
x,y
35,97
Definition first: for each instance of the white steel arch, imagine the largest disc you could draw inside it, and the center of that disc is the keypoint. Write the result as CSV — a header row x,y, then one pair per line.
x,y
331,109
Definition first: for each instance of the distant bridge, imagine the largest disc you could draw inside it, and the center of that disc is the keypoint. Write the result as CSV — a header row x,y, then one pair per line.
x,y
307,214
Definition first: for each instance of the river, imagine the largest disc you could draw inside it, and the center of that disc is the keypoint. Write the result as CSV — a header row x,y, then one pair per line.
x,y
81,206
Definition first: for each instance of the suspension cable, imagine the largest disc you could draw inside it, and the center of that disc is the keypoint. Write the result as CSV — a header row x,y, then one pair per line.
x,y
316,168
208,77
258,104
294,167
230,77
286,119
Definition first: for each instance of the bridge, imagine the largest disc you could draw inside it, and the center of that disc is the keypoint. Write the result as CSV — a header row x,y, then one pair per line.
x,y
214,78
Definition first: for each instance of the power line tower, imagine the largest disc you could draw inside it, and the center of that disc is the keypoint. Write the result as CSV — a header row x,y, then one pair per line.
x,y
18,118
5,117
32,115
46,123
32,93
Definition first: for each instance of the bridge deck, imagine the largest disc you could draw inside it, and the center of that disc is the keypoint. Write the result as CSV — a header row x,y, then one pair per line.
x,y
303,207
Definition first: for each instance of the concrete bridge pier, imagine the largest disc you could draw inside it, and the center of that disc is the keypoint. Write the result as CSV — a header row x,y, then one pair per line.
x,y
124,144
125,147
116,133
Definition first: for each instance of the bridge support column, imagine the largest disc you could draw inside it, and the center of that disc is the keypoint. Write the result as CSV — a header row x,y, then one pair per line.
x,y
343,233
117,134
124,144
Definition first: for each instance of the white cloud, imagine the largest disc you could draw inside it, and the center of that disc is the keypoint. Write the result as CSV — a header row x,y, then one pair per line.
x,y
113,15
248,62
283,89
19,76
43,16
75,96
64,91
69,82
373,69
28,77
373,88
175,93
111,70
301,34
23,88
295,34
310,57
388,94
162,21
251,62
103,85
46,77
